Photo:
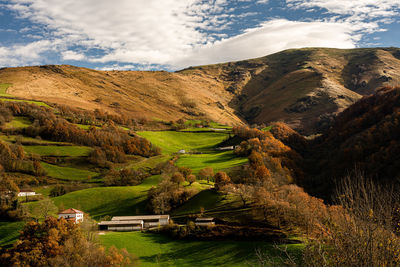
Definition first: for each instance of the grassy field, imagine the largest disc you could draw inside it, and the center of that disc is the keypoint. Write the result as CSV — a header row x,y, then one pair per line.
x,y
159,250
60,151
218,161
9,232
3,89
148,162
39,103
171,142
102,201
18,122
68,173
13,138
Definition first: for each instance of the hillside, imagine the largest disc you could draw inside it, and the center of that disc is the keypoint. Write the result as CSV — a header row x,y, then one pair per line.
x,y
364,137
302,87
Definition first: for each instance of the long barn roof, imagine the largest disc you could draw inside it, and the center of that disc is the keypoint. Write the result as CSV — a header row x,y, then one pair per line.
x,y
141,217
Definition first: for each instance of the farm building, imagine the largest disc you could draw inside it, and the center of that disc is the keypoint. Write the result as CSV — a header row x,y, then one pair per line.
x,y
204,221
24,193
134,223
121,226
71,215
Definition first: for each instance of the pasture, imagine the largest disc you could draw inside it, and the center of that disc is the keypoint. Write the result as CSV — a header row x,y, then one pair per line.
x,y
171,141
217,160
160,250
59,151
18,122
69,173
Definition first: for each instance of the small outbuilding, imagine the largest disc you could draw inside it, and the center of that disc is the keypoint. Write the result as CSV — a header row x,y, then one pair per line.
x,y
71,215
204,221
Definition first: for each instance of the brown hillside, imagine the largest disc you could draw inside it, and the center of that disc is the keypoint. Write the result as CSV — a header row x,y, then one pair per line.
x,y
302,87
305,87
154,95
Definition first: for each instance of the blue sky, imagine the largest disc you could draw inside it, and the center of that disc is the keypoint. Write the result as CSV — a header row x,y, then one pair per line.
x,y
174,34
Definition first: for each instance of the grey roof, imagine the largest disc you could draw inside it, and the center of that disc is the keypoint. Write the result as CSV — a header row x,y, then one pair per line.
x,y
120,222
141,217
204,219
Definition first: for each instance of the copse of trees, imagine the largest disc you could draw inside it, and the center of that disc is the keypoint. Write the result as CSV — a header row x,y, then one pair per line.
x,y
60,243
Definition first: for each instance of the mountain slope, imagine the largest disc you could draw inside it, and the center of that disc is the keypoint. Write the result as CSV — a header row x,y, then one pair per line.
x,y
302,87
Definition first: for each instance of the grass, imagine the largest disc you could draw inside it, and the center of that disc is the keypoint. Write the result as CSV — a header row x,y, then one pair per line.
x,y
68,173
9,232
171,142
3,89
13,138
113,201
39,103
218,161
159,250
267,129
18,122
147,162
60,151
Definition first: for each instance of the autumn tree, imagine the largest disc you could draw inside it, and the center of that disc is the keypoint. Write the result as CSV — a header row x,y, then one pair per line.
x,y
191,179
206,174
177,178
221,179
58,243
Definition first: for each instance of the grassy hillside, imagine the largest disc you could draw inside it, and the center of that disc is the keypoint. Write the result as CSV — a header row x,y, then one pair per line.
x,y
69,173
60,151
172,142
158,250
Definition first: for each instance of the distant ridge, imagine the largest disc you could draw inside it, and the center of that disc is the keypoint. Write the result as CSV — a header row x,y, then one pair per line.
x,y
303,87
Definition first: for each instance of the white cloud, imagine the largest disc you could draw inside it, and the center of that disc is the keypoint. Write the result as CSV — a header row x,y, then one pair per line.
x,y
180,33
72,55
273,36
31,53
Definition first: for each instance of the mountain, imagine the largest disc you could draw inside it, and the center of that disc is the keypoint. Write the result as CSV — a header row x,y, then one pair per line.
x,y
302,87
364,137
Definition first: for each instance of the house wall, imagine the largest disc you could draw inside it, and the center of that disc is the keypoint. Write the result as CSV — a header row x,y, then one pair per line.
x,y
78,216
24,194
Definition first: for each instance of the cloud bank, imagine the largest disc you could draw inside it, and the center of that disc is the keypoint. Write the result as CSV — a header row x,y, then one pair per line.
x,y
180,33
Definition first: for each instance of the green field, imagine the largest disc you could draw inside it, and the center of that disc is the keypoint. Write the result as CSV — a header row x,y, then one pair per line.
x,y
148,162
13,138
9,232
171,142
18,122
159,250
218,161
102,201
60,151
3,89
68,173
42,104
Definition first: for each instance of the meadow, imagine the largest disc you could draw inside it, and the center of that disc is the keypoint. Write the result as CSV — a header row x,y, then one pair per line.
x,y
171,141
159,250
3,89
18,122
69,173
39,103
59,151
9,232
217,160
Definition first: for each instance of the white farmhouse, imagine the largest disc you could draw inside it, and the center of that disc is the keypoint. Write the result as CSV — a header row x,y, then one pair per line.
x,y
71,215
24,193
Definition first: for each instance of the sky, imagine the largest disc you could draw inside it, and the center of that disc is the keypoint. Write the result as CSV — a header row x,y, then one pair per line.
x,y
175,34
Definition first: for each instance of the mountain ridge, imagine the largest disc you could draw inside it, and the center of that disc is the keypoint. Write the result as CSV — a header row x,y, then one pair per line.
x,y
304,88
